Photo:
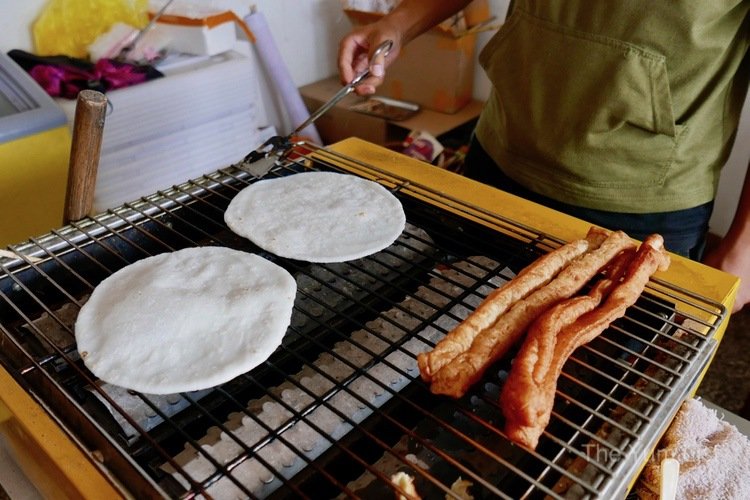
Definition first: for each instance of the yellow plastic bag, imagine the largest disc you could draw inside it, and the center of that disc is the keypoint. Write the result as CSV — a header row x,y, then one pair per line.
x,y
68,27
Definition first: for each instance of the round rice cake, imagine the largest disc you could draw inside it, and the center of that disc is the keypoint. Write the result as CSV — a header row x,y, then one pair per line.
x,y
185,320
317,216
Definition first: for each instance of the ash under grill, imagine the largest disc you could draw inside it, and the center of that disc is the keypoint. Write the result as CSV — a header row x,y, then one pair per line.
x,y
339,407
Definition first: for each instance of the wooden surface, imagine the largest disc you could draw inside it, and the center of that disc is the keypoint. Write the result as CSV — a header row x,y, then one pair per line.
x,y
88,127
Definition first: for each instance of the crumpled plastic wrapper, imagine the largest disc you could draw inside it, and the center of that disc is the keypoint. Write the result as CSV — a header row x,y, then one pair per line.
x,y
68,27
378,6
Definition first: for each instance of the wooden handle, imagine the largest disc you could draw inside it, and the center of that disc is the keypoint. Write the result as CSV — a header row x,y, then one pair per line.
x,y
88,128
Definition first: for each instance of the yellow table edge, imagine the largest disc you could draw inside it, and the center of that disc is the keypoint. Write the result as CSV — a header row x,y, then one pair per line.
x,y
54,464
711,283
60,468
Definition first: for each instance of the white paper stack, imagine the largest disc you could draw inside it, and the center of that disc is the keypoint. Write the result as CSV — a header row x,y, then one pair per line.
x,y
203,115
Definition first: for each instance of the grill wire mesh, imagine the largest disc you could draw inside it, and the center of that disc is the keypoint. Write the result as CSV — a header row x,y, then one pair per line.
x,y
339,407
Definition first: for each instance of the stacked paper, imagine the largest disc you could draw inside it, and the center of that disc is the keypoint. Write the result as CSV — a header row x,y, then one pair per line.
x,y
203,115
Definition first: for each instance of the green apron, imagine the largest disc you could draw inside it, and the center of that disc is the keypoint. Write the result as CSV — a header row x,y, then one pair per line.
x,y
628,106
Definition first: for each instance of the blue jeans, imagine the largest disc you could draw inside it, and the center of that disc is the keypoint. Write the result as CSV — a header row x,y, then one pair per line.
x,y
684,231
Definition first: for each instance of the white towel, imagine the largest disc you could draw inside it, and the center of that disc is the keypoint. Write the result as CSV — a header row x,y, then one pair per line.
x,y
713,457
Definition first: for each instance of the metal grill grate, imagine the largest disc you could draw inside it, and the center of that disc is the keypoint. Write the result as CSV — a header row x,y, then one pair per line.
x,y
339,407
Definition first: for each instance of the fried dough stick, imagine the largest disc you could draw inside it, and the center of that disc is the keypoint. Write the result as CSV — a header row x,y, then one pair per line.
x,y
455,378
537,351
533,276
528,395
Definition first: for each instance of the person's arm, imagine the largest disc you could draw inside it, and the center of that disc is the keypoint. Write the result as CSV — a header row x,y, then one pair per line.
x,y
404,23
732,254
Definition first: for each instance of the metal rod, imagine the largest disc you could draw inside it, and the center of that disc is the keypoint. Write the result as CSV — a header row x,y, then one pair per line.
x,y
383,49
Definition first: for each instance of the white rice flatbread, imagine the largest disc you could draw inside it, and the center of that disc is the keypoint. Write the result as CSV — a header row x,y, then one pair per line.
x,y
317,216
185,320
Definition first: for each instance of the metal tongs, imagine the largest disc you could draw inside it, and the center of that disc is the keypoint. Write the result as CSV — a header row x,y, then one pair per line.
x,y
260,161
124,52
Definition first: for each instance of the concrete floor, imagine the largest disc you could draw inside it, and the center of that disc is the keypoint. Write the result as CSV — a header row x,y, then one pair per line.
x,y
13,483
727,382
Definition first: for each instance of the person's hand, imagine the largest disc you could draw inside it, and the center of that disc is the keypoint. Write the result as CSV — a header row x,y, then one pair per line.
x,y
356,48
735,260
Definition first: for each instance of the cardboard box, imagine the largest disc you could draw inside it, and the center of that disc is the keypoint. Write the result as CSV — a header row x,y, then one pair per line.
x,y
200,34
341,122
436,69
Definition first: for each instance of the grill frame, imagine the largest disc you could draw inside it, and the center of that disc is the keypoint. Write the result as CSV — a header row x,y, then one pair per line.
x,y
100,229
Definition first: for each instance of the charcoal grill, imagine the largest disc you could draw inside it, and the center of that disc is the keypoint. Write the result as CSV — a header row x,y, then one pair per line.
x,y
339,407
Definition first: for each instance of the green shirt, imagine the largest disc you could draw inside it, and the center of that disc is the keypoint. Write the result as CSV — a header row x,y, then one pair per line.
x,y
628,106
